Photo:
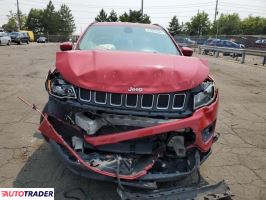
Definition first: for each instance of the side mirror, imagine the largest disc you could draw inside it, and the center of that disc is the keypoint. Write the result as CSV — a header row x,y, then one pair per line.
x,y
187,51
66,46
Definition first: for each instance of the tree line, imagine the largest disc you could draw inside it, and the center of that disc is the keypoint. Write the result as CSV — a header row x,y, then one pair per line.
x,y
226,24
48,20
43,21
200,24
134,16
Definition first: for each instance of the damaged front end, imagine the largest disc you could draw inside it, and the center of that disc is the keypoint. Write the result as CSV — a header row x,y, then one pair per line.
x,y
105,136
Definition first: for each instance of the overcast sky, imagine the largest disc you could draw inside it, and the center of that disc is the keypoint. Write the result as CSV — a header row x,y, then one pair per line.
x,y
160,11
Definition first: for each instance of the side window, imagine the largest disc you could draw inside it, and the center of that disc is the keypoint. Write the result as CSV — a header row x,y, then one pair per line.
x,y
228,44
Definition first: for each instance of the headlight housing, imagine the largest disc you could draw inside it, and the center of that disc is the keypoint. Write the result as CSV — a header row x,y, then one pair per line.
x,y
61,89
206,94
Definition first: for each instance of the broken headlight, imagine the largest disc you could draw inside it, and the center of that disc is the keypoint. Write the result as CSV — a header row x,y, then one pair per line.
x,y
61,89
206,94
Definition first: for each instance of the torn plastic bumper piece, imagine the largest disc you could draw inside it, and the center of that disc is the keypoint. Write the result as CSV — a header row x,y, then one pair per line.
x,y
48,130
207,192
83,168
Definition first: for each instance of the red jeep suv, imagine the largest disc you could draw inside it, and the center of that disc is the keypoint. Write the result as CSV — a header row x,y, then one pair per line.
x,y
127,105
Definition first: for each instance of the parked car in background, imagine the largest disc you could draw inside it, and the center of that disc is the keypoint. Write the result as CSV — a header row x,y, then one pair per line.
x,y
42,40
226,43
5,38
30,34
20,37
184,41
262,41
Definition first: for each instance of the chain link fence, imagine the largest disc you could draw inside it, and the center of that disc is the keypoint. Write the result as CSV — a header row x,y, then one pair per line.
x,y
250,41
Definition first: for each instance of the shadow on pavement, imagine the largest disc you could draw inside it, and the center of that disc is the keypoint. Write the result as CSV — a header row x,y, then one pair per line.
x,y
44,169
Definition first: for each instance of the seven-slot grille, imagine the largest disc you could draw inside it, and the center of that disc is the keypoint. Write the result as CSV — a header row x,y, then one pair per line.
x,y
160,102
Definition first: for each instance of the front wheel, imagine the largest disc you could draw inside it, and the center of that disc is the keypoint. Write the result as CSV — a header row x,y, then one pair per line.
x,y
8,43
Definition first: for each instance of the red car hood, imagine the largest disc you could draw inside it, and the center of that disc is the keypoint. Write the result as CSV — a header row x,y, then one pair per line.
x,y
117,72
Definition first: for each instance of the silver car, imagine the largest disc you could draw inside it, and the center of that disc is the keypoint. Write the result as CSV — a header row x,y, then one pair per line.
x,y
5,38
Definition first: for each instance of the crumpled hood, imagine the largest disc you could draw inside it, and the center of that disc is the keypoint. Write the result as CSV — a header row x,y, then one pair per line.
x,y
117,72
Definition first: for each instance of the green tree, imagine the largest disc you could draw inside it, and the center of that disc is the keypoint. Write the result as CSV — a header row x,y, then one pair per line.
x,y
66,24
50,19
254,25
12,23
34,21
112,17
229,24
102,16
198,25
135,16
174,27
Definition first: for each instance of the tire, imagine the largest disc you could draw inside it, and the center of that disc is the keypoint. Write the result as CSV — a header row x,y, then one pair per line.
x,y
8,43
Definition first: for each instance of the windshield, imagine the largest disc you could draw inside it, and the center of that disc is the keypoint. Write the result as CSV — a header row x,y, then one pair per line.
x,y
126,38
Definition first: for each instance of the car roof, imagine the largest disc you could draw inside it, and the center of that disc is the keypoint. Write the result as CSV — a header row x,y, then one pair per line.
x,y
126,24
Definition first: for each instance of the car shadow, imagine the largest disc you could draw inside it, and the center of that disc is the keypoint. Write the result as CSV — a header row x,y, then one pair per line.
x,y
44,169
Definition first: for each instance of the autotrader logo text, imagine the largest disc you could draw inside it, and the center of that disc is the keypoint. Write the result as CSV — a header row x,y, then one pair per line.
x,y
27,193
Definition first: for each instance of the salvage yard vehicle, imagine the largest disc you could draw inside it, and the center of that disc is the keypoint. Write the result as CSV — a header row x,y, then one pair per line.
x,y
30,34
127,105
19,37
42,40
5,39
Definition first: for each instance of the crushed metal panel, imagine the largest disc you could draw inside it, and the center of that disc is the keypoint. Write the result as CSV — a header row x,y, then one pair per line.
x,y
219,191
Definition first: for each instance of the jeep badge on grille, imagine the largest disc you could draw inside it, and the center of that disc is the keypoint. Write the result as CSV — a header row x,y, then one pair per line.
x,y
133,89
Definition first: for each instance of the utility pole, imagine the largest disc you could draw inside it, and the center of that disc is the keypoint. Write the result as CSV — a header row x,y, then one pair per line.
x,y
199,24
142,7
18,13
215,16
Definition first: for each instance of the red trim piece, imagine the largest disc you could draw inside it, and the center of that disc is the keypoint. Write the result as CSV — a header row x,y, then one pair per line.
x,y
47,129
198,121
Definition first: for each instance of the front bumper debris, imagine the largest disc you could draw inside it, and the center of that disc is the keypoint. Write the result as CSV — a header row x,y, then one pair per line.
x,y
144,178
206,192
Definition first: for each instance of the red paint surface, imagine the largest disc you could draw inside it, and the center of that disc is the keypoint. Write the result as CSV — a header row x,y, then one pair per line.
x,y
197,122
116,71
